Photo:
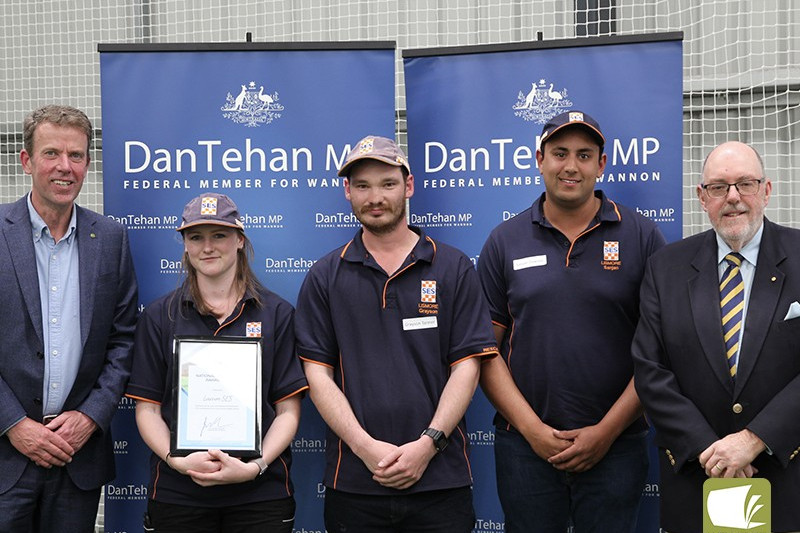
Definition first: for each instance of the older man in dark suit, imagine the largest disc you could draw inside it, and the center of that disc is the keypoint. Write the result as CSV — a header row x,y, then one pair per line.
x,y
67,313
717,348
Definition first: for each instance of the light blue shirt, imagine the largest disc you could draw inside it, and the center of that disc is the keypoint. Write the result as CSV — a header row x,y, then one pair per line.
x,y
748,270
59,292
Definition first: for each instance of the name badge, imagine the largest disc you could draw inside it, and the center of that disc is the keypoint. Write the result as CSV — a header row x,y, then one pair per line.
x,y
423,322
528,262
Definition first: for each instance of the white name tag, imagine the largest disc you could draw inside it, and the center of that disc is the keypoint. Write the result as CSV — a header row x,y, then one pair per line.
x,y
423,322
528,262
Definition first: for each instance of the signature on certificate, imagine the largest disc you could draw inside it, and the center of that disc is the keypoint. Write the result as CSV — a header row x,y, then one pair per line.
x,y
214,425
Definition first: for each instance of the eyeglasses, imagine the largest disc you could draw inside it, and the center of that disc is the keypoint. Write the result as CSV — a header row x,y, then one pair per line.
x,y
744,187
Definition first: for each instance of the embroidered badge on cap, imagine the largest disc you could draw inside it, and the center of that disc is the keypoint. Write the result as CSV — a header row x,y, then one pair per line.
x,y
208,206
428,291
610,250
254,329
576,116
366,145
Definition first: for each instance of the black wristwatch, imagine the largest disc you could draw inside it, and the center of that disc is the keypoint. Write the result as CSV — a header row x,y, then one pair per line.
x,y
440,440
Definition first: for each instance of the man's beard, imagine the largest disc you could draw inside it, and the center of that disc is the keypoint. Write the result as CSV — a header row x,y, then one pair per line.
x,y
383,228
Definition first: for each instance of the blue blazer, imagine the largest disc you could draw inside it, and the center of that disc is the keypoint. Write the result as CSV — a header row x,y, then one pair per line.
x,y
682,376
108,299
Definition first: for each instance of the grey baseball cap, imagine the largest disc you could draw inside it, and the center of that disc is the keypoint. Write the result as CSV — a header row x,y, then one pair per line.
x,y
377,148
211,208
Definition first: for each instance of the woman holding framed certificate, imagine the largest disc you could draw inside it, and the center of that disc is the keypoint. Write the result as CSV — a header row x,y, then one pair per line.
x,y
217,387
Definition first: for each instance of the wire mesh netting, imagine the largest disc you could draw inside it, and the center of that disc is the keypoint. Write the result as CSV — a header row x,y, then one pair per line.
x,y
740,75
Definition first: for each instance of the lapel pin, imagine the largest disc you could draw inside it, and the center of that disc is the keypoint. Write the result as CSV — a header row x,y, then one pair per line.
x,y
773,278
92,235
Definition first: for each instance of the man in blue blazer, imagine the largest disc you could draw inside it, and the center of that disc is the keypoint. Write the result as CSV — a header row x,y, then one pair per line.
x,y
67,314
724,410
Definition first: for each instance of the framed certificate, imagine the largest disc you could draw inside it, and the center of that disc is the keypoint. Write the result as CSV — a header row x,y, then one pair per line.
x,y
216,395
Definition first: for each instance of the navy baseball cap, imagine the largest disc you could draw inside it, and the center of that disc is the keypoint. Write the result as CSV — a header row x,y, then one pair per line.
x,y
211,208
571,118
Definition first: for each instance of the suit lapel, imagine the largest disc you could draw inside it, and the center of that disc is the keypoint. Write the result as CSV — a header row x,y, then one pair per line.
x,y
706,315
89,260
764,296
19,239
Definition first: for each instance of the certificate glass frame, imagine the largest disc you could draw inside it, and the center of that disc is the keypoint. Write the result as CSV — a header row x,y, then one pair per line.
x,y
216,395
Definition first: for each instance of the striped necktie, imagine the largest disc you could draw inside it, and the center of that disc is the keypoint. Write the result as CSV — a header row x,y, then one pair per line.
x,y
731,293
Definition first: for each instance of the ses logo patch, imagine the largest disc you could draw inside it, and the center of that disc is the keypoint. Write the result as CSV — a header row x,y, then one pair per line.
x,y
428,291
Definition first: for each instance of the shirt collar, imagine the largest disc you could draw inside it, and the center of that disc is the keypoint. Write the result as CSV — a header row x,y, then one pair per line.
x,y
749,251
608,211
356,252
39,227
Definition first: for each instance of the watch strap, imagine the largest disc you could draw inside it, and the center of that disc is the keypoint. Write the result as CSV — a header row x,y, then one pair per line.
x,y
440,440
262,465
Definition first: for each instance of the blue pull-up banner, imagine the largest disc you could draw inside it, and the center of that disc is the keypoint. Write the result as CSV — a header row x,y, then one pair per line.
x,y
474,117
267,124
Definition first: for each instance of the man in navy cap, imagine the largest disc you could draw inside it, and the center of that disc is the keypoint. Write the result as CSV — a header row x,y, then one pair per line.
x,y
391,328
562,280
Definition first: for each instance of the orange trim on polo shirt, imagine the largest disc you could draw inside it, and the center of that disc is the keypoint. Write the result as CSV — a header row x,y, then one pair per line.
x,y
140,399
494,353
510,342
155,481
396,274
339,459
295,393
433,243
234,319
338,464
306,360
616,209
344,250
286,472
464,451
581,234
584,232
393,276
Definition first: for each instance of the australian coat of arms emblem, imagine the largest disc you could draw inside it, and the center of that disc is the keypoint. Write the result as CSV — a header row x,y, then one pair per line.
x,y
541,102
252,106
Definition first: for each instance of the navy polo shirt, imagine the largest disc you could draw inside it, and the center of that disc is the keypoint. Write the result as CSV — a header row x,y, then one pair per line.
x,y
151,380
569,309
391,341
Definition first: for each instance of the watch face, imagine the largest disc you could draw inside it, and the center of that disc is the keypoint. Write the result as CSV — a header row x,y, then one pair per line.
x,y
440,441
262,465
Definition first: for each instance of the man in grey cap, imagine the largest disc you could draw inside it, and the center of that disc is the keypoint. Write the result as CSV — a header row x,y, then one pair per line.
x,y
562,280
392,328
